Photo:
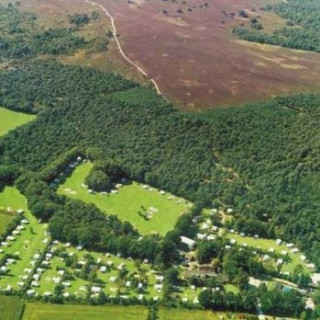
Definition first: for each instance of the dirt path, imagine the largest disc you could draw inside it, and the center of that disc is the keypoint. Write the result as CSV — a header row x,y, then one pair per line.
x,y
114,31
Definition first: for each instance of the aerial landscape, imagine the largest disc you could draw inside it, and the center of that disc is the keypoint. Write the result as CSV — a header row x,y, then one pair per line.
x,y
159,159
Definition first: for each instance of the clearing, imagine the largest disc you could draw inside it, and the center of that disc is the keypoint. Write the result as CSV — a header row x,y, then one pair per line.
x,y
129,200
10,120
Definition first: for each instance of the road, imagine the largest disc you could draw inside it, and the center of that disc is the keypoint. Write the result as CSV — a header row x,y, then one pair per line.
x,y
114,32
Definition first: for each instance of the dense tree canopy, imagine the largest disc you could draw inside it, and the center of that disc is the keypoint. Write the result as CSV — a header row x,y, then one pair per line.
x,y
302,30
262,159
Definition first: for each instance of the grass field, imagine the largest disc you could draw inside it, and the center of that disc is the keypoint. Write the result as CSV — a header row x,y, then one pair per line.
x,y
176,314
5,220
29,242
9,120
37,311
10,308
128,201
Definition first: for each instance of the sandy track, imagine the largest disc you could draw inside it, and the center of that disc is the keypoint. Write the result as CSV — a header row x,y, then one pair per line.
x,y
114,31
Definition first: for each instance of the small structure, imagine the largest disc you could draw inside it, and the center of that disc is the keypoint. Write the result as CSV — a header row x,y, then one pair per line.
x,y
159,278
303,258
95,289
30,293
316,279
103,269
187,241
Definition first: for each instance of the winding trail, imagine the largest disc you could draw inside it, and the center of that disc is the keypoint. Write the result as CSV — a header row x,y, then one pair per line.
x,y
114,31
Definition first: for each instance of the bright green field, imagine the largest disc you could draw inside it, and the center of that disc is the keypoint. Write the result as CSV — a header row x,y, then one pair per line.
x,y
176,314
9,120
29,242
37,311
5,220
10,308
128,202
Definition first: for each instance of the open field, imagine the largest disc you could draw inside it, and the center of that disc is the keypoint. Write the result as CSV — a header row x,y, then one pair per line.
x,y
193,56
29,242
176,314
37,311
9,120
10,308
128,202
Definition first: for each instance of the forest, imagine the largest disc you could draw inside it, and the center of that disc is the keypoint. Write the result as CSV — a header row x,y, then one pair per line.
x,y
261,160
301,30
250,158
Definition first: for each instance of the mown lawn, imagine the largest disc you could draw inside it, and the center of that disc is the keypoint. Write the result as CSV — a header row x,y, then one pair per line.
x,y
128,202
38,311
9,120
177,314
10,308
5,220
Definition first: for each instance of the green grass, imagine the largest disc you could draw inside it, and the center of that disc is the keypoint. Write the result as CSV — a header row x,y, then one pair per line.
x,y
5,220
177,314
38,311
9,120
10,308
27,243
128,202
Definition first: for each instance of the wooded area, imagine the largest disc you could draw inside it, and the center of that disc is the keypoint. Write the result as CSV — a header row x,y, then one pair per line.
x,y
250,157
301,32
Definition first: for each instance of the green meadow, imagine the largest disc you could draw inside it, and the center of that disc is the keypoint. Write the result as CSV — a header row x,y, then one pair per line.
x,y
10,120
127,203
10,308
38,311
